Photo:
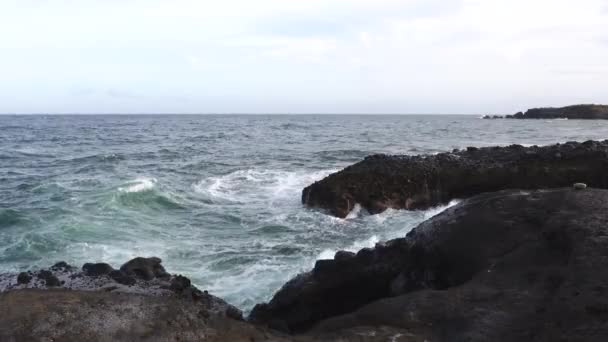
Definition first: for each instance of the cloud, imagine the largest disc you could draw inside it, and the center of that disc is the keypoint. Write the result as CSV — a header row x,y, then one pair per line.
x,y
309,56
122,94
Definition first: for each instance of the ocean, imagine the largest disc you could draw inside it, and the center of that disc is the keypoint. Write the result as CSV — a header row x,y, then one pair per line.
x,y
216,197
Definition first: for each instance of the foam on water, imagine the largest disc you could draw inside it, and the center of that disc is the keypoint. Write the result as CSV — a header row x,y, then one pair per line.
x,y
140,184
258,185
218,198
355,212
379,219
355,247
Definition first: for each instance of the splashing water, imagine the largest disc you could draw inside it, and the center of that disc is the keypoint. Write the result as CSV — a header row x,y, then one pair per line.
x,y
216,197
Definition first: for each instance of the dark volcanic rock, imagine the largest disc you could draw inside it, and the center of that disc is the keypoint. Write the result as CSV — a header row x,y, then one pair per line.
x,y
180,283
76,316
97,269
417,182
583,111
103,304
24,278
145,268
122,277
506,266
344,255
49,278
62,266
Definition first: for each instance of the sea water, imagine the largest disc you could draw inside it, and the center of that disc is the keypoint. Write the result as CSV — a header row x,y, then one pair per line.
x,y
216,197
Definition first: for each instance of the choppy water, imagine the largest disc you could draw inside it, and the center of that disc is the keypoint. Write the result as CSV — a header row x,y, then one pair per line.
x,y
217,197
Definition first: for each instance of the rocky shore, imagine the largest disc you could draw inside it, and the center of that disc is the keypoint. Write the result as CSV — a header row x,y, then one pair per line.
x,y
526,263
100,303
506,266
583,111
511,265
417,182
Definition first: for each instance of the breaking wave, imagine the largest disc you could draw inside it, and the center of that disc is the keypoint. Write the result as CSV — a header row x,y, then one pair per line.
x,y
251,185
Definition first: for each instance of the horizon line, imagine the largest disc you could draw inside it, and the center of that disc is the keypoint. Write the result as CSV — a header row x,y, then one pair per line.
x,y
82,114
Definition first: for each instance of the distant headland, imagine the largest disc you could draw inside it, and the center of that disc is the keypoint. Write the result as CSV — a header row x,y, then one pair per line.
x,y
581,111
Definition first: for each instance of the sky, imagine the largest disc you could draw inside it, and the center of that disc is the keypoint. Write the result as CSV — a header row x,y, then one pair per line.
x,y
313,56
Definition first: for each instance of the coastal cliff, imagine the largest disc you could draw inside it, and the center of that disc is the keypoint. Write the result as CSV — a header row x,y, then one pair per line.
x,y
582,111
418,182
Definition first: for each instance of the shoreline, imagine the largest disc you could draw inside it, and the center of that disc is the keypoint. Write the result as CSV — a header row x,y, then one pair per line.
x,y
481,269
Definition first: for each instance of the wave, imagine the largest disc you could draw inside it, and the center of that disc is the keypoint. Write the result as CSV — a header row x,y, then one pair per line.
x,y
355,212
23,152
143,191
354,247
380,218
140,184
9,217
258,186
341,155
439,209
112,157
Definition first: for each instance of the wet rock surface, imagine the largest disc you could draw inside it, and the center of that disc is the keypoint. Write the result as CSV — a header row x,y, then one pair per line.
x,y
505,266
96,269
145,268
418,182
512,265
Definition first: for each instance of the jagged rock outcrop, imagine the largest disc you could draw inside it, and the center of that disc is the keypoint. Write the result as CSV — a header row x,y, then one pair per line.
x,y
417,182
582,111
29,309
91,305
505,266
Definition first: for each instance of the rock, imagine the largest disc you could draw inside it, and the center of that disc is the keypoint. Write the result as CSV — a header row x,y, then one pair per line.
x,y
579,186
505,266
122,278
24,278
343,255
145,268
49,279
97,269
61,266
419,182
94,307
234,313
180,283
583,111
71,316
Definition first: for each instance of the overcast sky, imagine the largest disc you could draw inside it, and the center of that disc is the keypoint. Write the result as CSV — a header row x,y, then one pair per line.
x,y
304,56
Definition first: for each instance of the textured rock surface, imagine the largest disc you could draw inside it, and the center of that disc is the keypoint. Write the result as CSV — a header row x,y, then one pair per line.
x,y
415,182
169,308
145,268
102,277
63,315
583,111
505,266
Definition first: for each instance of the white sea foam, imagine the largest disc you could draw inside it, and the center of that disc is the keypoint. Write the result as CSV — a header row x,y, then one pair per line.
x,y
356,246
380,219
354,213
139,184
258,185
438,209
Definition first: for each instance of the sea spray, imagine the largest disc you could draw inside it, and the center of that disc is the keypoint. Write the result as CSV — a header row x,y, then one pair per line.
x,y
218,198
